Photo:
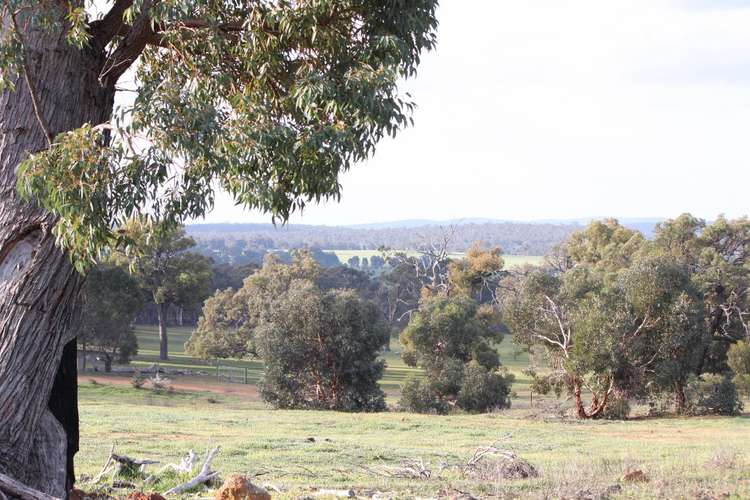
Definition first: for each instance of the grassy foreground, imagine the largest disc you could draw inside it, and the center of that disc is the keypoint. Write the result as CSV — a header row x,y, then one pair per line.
x,y
299,451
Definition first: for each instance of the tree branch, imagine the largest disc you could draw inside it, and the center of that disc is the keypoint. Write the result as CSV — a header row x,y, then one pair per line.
x,y
110,25
139,35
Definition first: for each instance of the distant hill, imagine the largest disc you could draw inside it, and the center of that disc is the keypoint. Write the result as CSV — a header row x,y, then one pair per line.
x,y
644,225
248,243
425,222
515,238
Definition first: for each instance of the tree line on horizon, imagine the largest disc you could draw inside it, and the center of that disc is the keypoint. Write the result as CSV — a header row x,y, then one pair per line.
x,y
249,243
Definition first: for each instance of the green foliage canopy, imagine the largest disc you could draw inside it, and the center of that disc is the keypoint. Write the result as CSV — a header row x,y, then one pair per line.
x,y
227,325
113,300
164,268
622,316
319,344
268,99
321,350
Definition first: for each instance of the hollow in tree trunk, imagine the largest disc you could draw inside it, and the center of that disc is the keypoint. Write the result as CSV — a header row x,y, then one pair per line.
x,y
39,288
161,313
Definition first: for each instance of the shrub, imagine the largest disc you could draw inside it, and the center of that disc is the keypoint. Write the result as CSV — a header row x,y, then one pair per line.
x,y
321,350
618,408
453,339
138,380
448,378
160,384
712,394
484,390
738,359
418,397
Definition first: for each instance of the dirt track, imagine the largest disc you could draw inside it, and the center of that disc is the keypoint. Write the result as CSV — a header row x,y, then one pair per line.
x,y
249,392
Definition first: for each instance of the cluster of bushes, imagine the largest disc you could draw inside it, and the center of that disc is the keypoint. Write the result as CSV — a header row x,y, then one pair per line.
x,y
623,318
472,388
320,333
453,338
320,346
617,317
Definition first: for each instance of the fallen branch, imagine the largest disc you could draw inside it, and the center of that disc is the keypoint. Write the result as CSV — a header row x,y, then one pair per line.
x,y
186,465
205,475
20,490
491,463
279,472
118,463
409,469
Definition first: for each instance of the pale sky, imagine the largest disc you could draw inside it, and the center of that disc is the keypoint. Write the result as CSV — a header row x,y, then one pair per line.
x,y
540,109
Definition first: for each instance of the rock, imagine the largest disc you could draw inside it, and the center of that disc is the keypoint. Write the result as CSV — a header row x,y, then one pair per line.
x,y
237,487
76,494
335,493
613,489
635,476
137,495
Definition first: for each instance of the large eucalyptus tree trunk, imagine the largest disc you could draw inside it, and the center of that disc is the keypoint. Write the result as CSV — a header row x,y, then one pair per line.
x,y
39,289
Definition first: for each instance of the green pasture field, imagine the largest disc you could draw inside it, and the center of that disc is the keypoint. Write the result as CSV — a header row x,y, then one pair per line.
x,y
510,260
301,452
298,452
395,373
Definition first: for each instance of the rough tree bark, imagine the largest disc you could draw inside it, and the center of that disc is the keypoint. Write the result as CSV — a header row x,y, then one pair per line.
x,y
161,313
39,288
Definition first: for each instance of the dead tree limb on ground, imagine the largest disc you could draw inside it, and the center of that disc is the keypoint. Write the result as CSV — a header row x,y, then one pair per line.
x,y
186,465
205,475
409,469
121,463
492,463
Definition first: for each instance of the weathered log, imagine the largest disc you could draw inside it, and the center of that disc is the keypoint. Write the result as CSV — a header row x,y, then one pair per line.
x,y
186,465
117,463
20,490
205,475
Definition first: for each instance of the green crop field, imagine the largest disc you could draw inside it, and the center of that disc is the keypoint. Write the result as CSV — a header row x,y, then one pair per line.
x,y
301,452
510,260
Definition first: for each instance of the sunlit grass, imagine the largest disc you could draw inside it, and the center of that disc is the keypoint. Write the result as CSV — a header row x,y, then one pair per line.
x,y
681,456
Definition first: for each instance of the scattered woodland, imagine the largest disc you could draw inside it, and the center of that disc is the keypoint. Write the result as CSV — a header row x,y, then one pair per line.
x,y
612,326
611,318
616,366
